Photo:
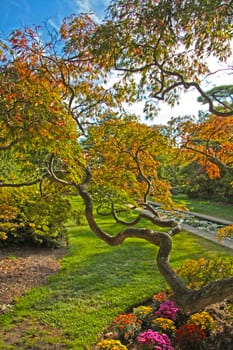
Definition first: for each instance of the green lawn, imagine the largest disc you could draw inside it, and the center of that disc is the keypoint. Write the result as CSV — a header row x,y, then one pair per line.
x,y
96,283
219,210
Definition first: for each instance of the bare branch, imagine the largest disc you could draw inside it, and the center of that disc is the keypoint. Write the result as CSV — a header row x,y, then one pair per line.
x,y
54,176
12,143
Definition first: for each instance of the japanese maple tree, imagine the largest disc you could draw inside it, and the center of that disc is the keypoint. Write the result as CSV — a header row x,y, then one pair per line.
x,y
58,89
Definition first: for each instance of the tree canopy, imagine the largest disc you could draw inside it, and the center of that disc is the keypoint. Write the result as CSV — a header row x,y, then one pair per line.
x,y
162,47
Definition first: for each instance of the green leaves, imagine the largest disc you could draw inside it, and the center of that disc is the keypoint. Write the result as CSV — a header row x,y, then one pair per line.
x,y
164,45
29,217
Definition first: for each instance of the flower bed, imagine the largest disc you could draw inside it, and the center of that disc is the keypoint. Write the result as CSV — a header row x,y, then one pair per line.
x,y
160,325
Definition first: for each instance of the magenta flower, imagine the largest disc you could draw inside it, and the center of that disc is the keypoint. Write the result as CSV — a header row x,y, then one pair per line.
x,y
168,309
156,339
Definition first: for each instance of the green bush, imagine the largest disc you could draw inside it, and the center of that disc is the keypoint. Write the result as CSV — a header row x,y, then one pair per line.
x,y
33,217
198,273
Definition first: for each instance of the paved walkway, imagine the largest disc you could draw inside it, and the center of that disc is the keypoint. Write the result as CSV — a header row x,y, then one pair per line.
x,y
208,217
227,242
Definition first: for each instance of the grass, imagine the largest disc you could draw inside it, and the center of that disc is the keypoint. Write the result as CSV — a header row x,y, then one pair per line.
x,y
219,210
95,284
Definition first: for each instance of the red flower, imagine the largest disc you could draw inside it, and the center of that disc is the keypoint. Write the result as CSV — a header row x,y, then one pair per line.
x,y
189,335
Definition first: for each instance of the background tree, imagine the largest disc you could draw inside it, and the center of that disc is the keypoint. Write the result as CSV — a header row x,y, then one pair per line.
x,y
206,141
221,95
50,93
195,182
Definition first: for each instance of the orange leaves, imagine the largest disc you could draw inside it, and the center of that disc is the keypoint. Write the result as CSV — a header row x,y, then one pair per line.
x,y
123,154
11,96
209,141
138,51
60,123
18,117
23,42
18,40
212,170
64,31
76,30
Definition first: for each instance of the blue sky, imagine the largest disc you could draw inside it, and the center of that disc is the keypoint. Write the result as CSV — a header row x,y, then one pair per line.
x,y
16,14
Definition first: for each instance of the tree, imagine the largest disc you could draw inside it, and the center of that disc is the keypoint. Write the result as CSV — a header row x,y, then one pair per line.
x,y
34,124
159,47
124,158
162,47
209,141
222,95
122,167
50,93
186,298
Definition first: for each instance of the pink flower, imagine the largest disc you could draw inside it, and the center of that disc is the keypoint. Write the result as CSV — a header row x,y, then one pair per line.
x,y
168,309
160,341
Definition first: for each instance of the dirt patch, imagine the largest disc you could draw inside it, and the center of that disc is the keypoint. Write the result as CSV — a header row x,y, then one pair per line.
x,y
24,268
30,334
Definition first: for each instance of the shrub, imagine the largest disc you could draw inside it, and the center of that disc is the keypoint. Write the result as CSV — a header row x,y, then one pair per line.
x,y
198,273
225,232
33,217
202,320
164,325
145,314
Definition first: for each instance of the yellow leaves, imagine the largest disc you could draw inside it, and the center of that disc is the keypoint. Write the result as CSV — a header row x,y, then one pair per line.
x,y
225,232
3,236
7,212
2,56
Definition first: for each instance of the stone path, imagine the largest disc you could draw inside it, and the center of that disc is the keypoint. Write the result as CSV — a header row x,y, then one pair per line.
x,y
227,242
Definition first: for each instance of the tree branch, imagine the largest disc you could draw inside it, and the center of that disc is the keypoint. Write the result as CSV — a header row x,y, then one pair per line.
x,y
23,184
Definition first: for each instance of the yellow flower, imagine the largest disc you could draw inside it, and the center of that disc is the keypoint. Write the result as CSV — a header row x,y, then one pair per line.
x,y
142,310
111,344
164,324
203,319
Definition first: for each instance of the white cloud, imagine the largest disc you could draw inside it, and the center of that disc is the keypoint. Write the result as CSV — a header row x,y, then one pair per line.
x,y
83,5
97,7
